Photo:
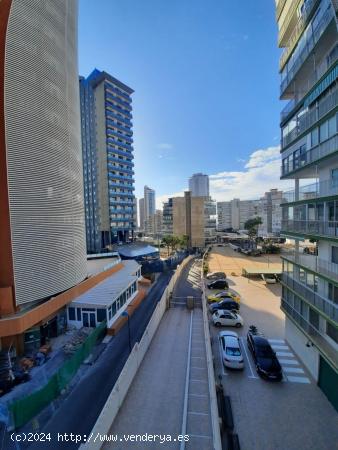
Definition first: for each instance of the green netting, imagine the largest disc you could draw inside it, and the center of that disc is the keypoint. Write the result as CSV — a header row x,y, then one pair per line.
x,y
27,407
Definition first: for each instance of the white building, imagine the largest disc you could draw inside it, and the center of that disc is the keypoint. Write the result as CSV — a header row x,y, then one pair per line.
x,y
199,185
234,213
108,299
270,211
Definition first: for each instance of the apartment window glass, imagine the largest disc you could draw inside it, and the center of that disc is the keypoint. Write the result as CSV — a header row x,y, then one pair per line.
x,y
78,314
334,177
332,124
101,315
302,275
332,332
314,137
324,131
314,318
334,257
71,313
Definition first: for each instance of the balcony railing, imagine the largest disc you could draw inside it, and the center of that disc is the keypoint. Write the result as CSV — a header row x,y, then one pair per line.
x,y
308,119
322,303
320,189
297,31
311,227
314,335
279,8
314,263
310,156
287,19
309,45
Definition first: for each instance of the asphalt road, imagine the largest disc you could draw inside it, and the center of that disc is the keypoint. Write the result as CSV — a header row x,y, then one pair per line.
x,y
79,412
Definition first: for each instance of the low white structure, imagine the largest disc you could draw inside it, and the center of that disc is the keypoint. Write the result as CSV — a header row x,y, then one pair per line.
x,y
106,300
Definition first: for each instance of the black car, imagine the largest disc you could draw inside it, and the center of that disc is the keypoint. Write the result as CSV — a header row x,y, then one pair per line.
x,y
227,304
267,364
218,284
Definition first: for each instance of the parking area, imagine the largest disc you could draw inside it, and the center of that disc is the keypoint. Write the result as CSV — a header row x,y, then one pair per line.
x,y
292,414
226,259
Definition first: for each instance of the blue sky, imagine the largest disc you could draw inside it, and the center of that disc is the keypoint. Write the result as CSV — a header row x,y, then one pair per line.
x,y
205,75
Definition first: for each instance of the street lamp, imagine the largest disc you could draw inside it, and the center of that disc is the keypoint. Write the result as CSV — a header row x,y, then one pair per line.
x,y
125,314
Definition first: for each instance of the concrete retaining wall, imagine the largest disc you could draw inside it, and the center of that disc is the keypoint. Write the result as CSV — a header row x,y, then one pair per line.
x,y
124,381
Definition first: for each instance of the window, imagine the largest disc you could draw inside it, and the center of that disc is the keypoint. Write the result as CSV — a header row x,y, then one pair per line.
x,y
332,332
324,131
302,275
78,314
334,254
71,313
334,177
314,137
333,293
332,125
101,315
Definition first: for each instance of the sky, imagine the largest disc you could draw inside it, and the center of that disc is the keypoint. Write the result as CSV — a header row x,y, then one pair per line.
x,y
205,75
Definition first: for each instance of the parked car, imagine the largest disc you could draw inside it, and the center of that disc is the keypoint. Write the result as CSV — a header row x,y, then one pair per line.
x,y
218,284
269,278
216,276
213,298
222,317
267,364
231,351
228,303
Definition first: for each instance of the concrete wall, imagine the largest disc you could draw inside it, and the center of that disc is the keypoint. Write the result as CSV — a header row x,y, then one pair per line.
x,y
179,216
197,222
297,341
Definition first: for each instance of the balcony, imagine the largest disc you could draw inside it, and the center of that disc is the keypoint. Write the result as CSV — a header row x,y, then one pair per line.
x,y
119,117
279,8
120,202
313,263
323,304
122,103
110,123
118,109
119,194
120,169
113,133
121,161
289,19
291,69
121,177
112,88
297,31
325,188
311,332
119,144
320,228
312,116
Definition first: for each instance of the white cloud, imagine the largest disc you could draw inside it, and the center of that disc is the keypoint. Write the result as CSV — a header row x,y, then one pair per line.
x,y
260,158
164,198
260,174
164,146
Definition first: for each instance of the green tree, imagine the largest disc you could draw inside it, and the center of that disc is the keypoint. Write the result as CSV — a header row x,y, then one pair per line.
x,y
167,241
184,241
251,226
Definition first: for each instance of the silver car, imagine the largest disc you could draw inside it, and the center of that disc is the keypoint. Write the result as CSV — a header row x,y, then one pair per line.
x,y
231,350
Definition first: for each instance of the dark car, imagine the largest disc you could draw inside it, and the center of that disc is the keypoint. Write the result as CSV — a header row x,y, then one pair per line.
x,y
267,364
218,284
227,304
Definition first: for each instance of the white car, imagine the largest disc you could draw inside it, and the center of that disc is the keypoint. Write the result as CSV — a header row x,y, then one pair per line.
x,y
231,350
225,318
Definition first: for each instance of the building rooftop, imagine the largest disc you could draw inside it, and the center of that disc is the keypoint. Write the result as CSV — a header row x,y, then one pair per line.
x,y
97,265
104,293
136,250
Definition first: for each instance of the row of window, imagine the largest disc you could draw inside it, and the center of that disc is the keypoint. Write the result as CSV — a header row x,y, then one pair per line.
x,y
321,212
121,300
318,135
310,280
309,315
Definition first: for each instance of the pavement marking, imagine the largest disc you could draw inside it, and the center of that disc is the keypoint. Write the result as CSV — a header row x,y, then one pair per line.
x,y
295,379
276,341
186,389
285,354
198,413
199,357
247,357
195,367
291,362
198,381
279,347
293,370
199,395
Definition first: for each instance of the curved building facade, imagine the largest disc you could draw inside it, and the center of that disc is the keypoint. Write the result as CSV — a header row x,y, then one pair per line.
x,y
41,176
